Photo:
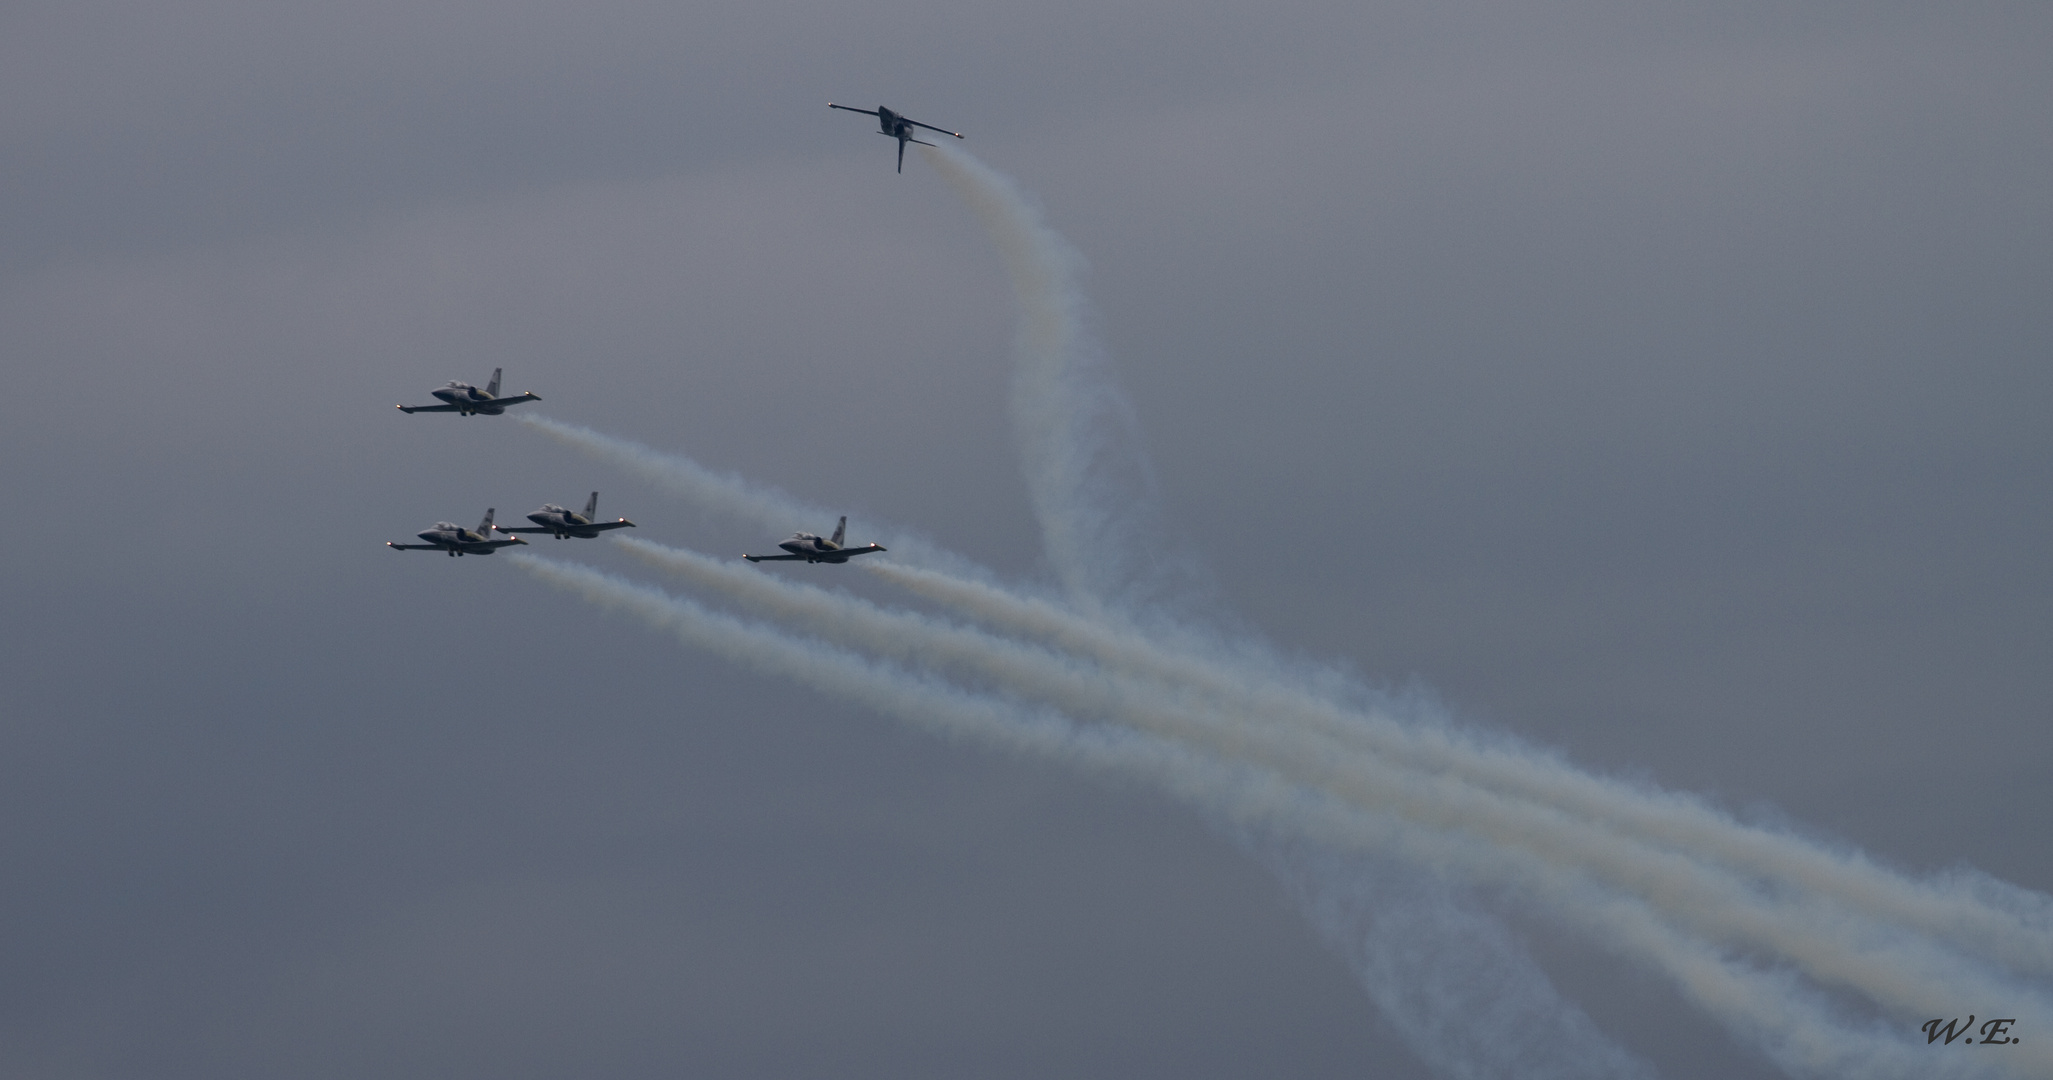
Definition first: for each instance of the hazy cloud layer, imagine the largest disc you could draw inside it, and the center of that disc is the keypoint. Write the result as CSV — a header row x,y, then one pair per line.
x,y
1666,385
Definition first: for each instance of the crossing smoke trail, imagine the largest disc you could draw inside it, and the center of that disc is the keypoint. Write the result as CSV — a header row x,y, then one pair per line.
x,y
1987,918
1078,497
1061,398
1384,826
1076,435
1814,1047
1833,946
1078,441
1242,795
1805,1037
1798,1027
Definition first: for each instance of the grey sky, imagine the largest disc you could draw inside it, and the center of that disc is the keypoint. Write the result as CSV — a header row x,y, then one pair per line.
x,y
1666,385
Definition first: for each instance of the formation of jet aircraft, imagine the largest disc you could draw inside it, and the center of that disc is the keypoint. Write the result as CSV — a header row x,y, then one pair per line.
x,y
806,547
896,126
464,399
554,519
562,523
454,540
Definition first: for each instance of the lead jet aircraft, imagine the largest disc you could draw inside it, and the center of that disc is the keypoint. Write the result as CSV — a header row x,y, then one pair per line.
x,y
896,126
447,536
809,548
555,519
462,397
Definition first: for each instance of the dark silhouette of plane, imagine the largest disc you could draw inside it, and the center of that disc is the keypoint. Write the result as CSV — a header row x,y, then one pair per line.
x,y
898,127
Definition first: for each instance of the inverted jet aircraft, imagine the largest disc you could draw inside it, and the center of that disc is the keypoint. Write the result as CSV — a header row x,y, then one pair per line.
x,y
463,398
556,520
446,536
809,548
898,127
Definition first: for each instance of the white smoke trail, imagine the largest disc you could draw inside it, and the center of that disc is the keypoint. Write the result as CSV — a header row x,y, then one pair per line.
x,y
774,511
1902,972
1076,434
1386,920
1078,440
1664,880
1800,1030
1086,514
1998,923
725,493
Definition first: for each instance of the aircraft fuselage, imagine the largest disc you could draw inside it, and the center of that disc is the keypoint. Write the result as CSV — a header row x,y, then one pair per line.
x,y
456,540
469,399
564,523
453,539
812,548
466,400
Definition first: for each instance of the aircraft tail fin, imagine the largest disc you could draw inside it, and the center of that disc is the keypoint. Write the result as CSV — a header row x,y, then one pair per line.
x,y
592,507
492,388
840,531
485,526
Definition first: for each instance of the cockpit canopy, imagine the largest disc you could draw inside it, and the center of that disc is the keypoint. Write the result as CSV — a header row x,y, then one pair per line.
x,y
445,526
552,508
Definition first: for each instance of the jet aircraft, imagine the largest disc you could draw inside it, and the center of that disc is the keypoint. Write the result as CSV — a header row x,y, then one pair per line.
x,y
898,127
446,536
555,519
462,397
809,548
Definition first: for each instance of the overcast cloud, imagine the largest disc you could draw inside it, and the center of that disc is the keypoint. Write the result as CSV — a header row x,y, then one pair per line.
x,y
1664,384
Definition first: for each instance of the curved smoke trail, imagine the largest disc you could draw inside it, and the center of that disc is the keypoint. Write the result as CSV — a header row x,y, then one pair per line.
x,y
1993,921
1830,943
1057,398
1799,1027
1382,825
1079,444
1796,1027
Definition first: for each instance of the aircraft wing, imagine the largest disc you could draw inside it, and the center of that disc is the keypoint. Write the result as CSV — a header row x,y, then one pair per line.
x,y
426,408
864,550
865,112
483,546
413,547
574,530
931,127
774,558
